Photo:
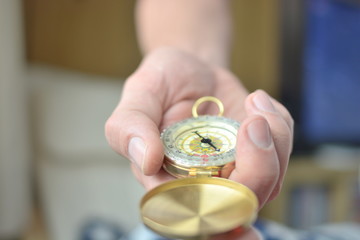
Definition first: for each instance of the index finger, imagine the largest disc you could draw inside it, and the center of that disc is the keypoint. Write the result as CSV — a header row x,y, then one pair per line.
x,y
132,129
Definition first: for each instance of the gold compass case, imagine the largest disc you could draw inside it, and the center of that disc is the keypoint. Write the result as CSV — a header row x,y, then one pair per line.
x,y
198,207
200,151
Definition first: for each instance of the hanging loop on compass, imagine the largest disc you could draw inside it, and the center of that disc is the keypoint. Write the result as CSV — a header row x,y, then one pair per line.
x,y
207,99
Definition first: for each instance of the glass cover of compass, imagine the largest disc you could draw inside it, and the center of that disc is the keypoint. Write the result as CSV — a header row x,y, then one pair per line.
x,y
200,145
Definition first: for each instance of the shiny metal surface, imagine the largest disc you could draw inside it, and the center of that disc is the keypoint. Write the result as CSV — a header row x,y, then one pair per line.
x,y
207,99
198,207
177,171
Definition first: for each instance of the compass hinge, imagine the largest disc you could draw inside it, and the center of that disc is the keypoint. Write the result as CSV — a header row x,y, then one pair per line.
x,y
194,172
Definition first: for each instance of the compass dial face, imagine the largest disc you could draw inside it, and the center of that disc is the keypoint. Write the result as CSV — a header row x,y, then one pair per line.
x,y
202,141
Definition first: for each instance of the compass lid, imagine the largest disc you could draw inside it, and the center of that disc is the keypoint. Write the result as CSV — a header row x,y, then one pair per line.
x,y
192,207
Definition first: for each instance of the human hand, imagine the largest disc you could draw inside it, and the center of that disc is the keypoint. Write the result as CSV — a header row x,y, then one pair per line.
x,y
163,90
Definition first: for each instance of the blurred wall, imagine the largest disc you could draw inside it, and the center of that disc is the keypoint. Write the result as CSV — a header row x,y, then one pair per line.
x,y
87,35
99,37
15,154
256,44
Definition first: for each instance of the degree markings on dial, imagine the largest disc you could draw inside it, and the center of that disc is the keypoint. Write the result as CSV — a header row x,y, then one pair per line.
x,y
179,137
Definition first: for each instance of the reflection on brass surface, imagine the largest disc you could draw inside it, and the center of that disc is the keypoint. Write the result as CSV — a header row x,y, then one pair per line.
x,y
207,99
197,207
177,171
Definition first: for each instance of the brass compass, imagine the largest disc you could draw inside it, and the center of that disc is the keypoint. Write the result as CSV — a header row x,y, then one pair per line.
x,y
200,151
201,145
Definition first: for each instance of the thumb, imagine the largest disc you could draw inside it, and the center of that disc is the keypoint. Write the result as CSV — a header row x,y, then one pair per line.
x,y
257,164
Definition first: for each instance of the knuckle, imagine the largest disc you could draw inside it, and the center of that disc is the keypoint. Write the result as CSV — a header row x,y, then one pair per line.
x,y
289,119
283,141
109,134
284,113
292,123
114,136
276,191
110,126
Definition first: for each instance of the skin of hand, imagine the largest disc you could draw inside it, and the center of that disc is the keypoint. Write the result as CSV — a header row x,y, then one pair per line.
x,y
162,91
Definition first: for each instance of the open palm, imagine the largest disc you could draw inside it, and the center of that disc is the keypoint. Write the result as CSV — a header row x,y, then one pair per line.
x,y
162,91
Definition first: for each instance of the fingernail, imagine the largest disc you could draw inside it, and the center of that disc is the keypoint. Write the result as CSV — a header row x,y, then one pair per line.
x,y
137,149
263,103
259,133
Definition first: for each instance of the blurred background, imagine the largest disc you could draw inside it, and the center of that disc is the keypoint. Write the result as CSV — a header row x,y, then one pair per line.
x,y
62,67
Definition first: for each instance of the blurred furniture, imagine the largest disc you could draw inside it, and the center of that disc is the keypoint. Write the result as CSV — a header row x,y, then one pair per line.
x,y
320,69
81,180
319,85
14,139
317,191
